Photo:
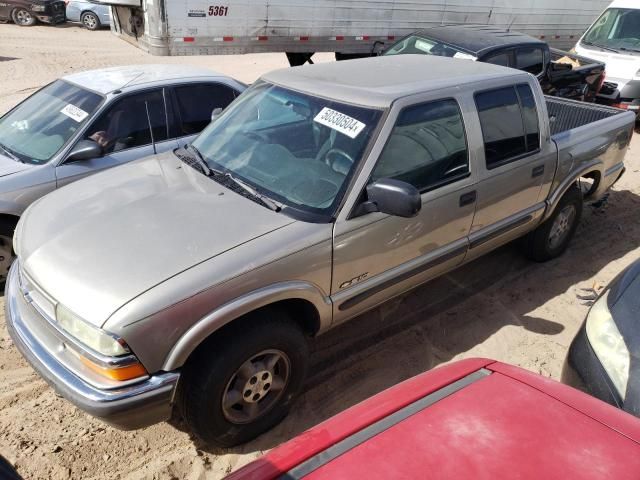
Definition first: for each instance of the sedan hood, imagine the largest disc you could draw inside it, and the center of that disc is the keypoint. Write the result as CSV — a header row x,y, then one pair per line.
x,y
100,242
9,166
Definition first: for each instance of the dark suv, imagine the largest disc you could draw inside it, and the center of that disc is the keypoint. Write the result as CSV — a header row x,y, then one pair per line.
x,y
27,12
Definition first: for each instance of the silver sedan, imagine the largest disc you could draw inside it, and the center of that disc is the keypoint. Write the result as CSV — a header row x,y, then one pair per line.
x,y
90,121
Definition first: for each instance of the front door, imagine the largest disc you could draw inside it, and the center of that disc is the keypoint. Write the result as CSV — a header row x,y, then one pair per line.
x,y
377,256
126,131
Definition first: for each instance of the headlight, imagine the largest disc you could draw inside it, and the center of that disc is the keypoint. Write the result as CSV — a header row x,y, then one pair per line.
x,y
608,344
94,338
38,8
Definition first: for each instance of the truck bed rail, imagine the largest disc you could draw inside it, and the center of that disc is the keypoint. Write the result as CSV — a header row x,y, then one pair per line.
x,y
567,114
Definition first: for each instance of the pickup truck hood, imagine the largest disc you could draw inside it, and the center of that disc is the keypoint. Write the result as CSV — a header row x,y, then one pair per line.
x,y
618,66
100,242
9,166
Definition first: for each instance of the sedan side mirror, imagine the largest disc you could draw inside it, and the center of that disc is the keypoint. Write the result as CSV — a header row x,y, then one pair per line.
x,y
216,113
393,197
84,150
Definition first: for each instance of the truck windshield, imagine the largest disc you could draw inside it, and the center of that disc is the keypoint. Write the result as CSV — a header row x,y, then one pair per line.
x,y
427,46
617,28
39,127
293,148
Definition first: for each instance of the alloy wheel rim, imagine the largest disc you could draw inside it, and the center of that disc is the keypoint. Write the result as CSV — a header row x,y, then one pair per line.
x,y
23,16
89,21
256,386
561,226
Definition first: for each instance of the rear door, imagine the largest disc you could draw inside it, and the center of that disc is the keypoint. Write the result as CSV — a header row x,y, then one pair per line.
x,y
193,105
517,156
377,256
122,129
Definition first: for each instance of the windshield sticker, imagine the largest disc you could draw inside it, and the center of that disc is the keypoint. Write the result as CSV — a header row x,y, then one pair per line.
x,y
74,113
464,56
339,122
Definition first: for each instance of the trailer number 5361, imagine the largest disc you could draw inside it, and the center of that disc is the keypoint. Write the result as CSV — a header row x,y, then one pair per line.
x,y
218,11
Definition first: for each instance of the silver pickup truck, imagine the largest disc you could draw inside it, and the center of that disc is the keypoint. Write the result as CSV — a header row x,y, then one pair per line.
x,y
196,277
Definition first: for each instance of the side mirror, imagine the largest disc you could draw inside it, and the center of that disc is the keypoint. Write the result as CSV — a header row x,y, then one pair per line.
x,y
84,150
216,113
393,197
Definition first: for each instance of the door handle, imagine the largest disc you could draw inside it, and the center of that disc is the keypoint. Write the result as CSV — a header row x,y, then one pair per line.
x,y
467,198
537,171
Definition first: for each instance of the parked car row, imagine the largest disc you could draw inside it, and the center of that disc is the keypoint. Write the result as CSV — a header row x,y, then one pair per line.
x,y
54,12
196,277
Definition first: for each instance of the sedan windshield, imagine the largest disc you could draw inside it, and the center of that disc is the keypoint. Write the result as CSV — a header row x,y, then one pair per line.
x,y
294,148
617,28
39,127
426,46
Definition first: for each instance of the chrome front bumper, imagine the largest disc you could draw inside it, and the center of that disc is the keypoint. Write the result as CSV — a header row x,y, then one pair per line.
x,y
133,406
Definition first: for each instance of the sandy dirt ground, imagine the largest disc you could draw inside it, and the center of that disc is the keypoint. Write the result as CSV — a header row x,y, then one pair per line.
x,y
500,306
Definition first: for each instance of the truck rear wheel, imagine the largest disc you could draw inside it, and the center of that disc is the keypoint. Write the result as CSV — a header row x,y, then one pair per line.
x,y
552,237
243,380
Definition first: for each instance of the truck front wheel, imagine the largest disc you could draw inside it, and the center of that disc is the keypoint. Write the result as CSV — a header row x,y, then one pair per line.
x,y
243,380
552,237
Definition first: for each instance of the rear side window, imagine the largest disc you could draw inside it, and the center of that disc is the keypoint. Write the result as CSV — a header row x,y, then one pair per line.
x,y
509,121
197,102
530,60
427,146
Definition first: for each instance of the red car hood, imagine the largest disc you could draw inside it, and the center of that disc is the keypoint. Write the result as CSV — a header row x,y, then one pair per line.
x,y
494,422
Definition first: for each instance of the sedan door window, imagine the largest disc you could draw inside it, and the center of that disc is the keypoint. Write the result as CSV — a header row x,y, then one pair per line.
x,y
197,102
126,124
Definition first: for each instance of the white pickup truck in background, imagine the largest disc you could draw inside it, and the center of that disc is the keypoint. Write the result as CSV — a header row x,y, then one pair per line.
x,y
348,27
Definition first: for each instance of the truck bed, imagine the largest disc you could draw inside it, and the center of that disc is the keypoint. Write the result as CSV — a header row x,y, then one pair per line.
x,y
565,115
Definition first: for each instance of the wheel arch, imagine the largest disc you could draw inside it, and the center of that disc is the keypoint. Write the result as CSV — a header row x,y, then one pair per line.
x,y
594,167
303,302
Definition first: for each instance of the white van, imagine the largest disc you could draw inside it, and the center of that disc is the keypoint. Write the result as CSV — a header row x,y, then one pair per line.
x,y
614,38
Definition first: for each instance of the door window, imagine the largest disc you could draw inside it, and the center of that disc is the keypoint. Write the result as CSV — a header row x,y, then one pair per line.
x,y
197,102
501,59
126,124
509,120
427,146
530,60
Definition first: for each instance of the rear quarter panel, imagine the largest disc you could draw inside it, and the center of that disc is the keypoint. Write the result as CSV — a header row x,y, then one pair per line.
x,y
599,146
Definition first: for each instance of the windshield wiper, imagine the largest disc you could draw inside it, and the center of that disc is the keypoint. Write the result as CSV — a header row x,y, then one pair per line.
x,y
197,156
10,154
225,176
591,44
626,49
266,201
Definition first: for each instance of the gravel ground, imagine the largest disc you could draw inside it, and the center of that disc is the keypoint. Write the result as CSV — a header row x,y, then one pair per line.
x,y
500,306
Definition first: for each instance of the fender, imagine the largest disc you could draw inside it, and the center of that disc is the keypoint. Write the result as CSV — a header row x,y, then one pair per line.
x,y
243,305
570,179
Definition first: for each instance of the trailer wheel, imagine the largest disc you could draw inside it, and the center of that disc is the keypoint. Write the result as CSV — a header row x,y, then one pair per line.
x,y
23,17
243,380
552,237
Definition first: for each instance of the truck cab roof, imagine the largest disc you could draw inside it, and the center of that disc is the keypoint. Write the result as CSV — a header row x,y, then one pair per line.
x,y
478,39
107,80
378,82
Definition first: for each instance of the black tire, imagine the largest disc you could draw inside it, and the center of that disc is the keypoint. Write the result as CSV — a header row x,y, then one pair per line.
x,y
215,367
23,17
90,21
7,255
542,244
